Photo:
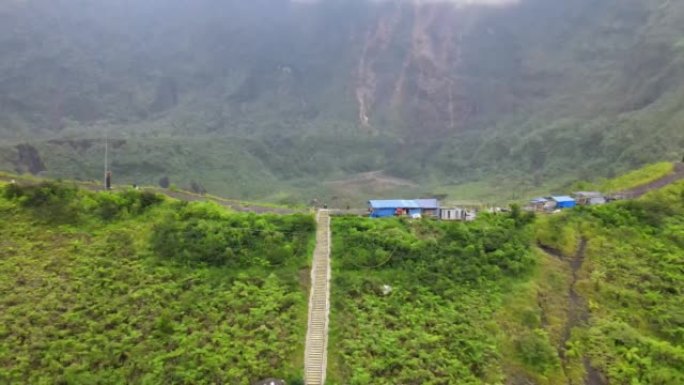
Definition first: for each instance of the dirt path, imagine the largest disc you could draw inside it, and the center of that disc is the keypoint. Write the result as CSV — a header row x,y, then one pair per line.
x,y
578,312
676,175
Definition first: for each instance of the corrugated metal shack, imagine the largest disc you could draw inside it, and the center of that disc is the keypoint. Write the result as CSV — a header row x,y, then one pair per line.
x,y
428,207
563,202
393,207
540,204
457,214
404,207
589,198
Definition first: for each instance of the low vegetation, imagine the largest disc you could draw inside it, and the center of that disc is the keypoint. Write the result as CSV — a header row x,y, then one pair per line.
x,y
133,288
597,300
414,301
638,177
630,278
136,288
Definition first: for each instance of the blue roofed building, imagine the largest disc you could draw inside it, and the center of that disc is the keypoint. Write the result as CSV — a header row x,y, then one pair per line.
x,y
564,202
401,207
428,207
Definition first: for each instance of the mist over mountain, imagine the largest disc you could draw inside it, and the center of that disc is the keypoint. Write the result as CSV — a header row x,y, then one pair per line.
x,y
276,99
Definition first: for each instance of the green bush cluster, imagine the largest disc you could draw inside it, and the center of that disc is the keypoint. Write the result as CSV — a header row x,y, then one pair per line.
x,y
414,301
87,303
51,201
61,202
534,350
484,250
109,206
205,233
633,283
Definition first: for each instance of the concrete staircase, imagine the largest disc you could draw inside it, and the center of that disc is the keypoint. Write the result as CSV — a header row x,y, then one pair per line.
x,y
315,355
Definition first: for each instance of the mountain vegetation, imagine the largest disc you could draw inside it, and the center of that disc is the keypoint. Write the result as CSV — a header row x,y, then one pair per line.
x,y
241,97
415,302
589,296
135,288
627,285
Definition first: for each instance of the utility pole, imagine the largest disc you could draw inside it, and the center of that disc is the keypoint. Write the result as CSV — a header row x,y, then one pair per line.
x,y
107,175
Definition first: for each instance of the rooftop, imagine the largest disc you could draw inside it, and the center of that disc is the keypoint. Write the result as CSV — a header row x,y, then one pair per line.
x,y
539,200
562,198
394,203
428,203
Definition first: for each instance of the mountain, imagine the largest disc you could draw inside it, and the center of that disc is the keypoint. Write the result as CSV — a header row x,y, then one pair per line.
x,y
288,100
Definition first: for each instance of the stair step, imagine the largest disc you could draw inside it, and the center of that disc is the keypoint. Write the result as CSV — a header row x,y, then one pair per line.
x,y
317,333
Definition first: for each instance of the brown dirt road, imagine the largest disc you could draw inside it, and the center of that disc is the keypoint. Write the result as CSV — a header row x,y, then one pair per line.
x,y
675,176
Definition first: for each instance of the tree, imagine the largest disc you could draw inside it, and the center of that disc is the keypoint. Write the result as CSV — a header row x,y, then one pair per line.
x,y
197,188
164,182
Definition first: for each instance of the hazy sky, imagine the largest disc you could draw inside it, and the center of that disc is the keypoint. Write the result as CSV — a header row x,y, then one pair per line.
x,y
460,2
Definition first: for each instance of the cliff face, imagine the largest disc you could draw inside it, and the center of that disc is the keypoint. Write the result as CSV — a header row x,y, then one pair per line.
x,y
398,66
455,88
410,68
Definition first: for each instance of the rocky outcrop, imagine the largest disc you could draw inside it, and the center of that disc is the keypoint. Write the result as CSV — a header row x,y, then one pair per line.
x,y
28,160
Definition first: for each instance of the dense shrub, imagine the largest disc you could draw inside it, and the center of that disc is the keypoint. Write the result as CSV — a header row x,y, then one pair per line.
x,y
109,206
413,300
59,202
536,351
466,252
42,194
632,280
202,232
50,201
87,304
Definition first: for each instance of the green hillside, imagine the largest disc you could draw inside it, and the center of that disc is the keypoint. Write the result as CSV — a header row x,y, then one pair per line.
x,y
589,296
415,302
276,99
625,314
134,288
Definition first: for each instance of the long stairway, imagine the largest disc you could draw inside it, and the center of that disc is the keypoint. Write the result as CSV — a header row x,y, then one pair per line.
x,y
315,355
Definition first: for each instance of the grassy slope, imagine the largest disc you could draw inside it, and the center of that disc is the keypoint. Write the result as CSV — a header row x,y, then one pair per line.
x,y
89,301
437,325
528,335
610,311
638,177
631,283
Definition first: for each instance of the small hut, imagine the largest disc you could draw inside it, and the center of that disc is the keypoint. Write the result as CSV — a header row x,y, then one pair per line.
x,y
538,204
457,214
589,198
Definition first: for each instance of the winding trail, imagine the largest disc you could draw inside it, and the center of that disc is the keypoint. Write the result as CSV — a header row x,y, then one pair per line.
x,y
578,312
315,354
676,175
